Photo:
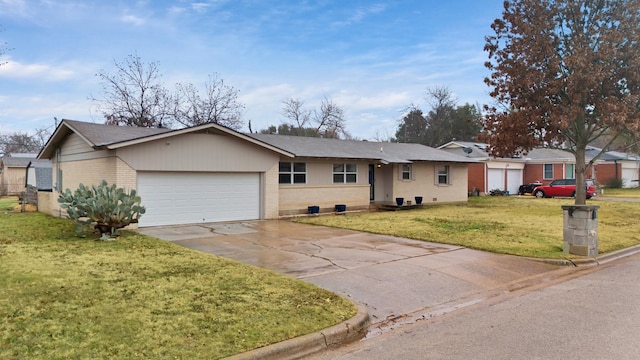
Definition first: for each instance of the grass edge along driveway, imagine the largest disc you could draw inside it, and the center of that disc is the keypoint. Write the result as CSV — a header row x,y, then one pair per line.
x,y
139,297
522,226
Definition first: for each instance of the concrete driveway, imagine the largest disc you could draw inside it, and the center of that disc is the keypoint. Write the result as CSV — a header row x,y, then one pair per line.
x,y
399,280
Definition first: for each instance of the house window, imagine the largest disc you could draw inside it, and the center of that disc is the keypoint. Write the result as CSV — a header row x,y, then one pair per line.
x,y
548,171
443,175
345,173
571,171
405,172
293,173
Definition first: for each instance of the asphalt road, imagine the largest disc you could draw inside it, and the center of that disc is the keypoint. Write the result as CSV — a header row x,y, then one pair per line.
x,y
595,314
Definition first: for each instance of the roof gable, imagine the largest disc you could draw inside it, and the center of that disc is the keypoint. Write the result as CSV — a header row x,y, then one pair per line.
x,y
102,136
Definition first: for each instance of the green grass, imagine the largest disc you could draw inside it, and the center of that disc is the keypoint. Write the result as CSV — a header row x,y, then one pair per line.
x,y
63,297
522,226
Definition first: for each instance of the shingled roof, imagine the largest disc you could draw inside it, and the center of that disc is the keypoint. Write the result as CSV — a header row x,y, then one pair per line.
x,y
101,134
478,151
386,152
17,159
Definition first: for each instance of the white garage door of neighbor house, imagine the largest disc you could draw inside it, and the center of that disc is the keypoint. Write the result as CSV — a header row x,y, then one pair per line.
x,y
514,180
173,198
495,179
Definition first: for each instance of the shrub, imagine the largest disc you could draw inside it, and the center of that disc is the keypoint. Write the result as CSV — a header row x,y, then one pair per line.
x,y
104,206
614,183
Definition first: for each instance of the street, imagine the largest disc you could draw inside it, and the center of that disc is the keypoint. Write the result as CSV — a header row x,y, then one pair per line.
x,y
595,314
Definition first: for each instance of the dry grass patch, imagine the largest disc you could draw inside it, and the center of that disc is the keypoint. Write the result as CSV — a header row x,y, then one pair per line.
x,y
139,297
633,193
521,226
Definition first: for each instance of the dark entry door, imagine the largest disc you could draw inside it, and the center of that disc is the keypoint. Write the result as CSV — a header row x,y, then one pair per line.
x,y
372,192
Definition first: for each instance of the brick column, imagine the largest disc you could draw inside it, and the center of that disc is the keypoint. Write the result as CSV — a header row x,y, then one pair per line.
x,y
580,229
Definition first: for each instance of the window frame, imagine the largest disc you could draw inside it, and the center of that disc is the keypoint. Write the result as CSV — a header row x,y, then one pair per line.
x,y
544,171
443,170
344,173
291,173
406,169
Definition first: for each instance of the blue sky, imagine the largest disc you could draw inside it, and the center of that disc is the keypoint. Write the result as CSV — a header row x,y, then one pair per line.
x,y
373,58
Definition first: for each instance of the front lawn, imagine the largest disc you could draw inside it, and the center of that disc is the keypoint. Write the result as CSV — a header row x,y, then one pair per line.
x,y
523,226
63,297
622,193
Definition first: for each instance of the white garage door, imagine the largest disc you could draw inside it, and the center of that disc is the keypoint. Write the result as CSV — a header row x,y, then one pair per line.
x,y
173,198
514,180
495,179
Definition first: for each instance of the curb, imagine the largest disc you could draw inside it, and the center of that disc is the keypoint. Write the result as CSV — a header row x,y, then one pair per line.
x,y
598,260
345,332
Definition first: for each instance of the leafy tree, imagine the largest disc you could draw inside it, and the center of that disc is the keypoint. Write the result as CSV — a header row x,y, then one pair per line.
x,y
413,127
466,123
286,129
444,122
219,104
327,121
563,72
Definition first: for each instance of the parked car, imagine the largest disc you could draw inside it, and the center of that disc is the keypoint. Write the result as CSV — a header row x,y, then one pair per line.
x,y
563,187
528,188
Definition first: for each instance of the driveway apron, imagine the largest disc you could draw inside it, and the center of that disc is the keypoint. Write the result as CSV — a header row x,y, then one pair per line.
x,y
391,276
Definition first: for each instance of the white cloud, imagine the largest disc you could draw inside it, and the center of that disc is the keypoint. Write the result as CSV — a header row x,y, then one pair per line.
x,y
200,7
361,13
13,7
15,69
132,19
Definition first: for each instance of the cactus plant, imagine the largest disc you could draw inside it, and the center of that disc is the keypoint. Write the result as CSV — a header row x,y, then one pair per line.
x,y
104,206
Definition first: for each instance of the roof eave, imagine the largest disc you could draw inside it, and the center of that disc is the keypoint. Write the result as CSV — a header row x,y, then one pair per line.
x,y
63,129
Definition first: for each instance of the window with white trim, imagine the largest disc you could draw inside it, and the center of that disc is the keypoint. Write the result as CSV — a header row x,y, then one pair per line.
x,y
292,173
548,171
405,172
345,173
443,175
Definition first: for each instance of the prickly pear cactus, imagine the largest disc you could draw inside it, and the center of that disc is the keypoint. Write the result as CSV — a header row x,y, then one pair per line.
x,y
104,206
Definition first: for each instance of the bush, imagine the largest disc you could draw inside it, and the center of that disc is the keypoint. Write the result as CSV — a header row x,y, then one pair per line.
x,y
105,207
614,183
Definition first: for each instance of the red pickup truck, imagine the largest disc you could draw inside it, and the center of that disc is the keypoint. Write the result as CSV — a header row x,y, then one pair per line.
x,y
563,187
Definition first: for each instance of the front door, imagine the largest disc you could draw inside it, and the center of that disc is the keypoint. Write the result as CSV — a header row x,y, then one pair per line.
x,y
372,192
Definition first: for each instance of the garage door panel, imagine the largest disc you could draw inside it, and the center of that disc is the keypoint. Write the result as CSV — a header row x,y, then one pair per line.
x,y
495,179
186,198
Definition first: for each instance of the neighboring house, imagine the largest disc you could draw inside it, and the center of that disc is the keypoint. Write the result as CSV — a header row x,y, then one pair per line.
x,y
490,173
13,172
210,173
39,175
614,165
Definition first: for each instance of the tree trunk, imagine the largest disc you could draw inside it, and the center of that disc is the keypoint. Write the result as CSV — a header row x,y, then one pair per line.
x,y
581,173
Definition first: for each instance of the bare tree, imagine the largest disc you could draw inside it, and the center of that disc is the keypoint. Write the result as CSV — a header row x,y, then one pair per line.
x,y
563,72
23,142
298,116
3,49
329,120
326,121
134,95
219,104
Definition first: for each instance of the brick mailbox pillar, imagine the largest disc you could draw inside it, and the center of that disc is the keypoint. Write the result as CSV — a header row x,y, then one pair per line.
x,y
580,229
